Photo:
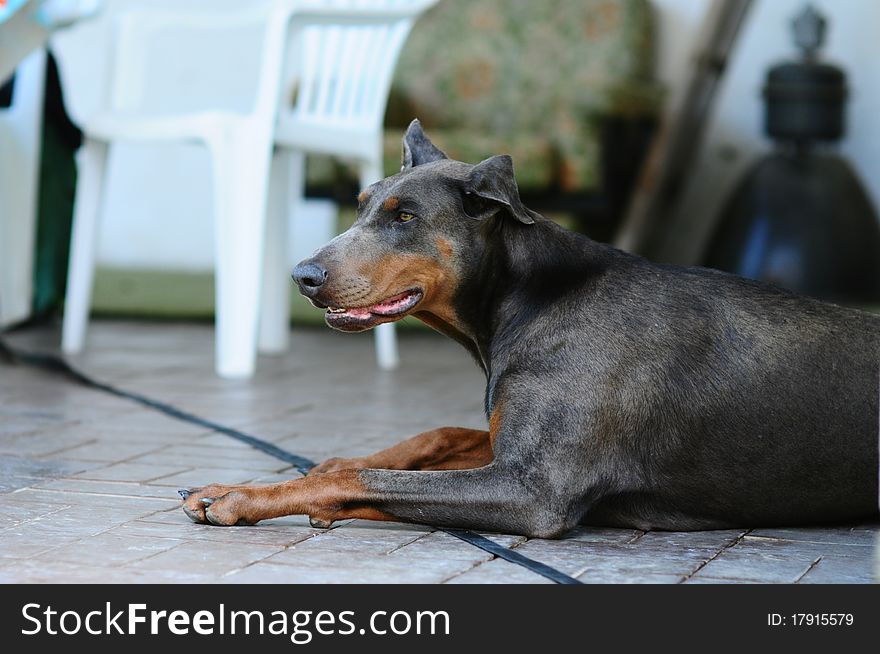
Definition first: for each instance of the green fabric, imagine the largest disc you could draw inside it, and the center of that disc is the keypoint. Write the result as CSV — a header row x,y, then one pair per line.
x,y
59,141
528,78
524,77
57,187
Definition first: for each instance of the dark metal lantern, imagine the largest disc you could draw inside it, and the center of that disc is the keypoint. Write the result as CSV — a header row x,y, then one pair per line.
x,y
800,218
805,99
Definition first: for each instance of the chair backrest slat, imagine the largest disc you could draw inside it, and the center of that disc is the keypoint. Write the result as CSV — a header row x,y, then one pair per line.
x,y
326,66
307,56
348,52
342,62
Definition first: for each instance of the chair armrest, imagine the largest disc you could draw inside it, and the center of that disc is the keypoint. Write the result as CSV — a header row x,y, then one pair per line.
x,y
135,27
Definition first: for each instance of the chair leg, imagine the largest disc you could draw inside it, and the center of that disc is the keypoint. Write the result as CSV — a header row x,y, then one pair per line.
x,y
387,356
91,162
285,189
386,346
240,188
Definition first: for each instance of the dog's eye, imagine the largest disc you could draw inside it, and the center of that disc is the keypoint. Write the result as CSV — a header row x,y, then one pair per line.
x,y
404,217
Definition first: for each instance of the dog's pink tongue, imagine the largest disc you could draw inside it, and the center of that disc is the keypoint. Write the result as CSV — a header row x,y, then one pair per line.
x,y
391,305
359,313
387,307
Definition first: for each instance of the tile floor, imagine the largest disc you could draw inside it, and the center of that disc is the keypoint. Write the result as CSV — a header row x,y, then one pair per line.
x,y
88,480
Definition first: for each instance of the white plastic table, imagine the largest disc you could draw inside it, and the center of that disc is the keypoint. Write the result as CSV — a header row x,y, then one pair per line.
x,y
25,27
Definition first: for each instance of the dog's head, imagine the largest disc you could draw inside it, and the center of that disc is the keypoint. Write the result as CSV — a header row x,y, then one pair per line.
x,y
415,233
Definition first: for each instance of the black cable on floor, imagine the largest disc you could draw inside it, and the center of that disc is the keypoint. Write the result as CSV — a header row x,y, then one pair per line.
x,y
56,364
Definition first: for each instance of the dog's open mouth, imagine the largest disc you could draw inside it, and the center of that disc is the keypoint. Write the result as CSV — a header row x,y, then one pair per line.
x,y
360,318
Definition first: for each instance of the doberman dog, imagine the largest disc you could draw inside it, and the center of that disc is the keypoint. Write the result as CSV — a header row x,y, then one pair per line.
x,y
619,392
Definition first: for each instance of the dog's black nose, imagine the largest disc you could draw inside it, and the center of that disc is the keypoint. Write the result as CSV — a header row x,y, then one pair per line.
x,y
309,276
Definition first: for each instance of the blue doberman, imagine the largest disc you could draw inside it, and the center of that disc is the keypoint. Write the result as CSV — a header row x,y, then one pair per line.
x,y
619,391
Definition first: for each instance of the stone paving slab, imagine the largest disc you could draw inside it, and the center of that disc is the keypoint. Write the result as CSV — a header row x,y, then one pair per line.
x,y
213,560
42,444
840,570
861,535
140,472
778,561
497,571
30,539
341,543
49,571
115,429
215,456
429,544
204,475
20,472
577,558
99,487
13,513
204,533
603,535
112,550
129,504
21,421
369,571
113,451
87,476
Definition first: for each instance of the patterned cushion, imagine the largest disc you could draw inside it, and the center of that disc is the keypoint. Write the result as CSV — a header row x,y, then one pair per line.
x,y
525,77
530,78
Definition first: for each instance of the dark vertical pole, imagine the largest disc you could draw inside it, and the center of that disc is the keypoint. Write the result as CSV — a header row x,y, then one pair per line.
x,y
677,142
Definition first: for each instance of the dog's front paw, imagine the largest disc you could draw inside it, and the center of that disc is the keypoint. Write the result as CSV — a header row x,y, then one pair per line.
x,y
216,504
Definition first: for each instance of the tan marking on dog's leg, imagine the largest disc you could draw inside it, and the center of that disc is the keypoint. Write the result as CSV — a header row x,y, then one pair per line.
x,y
495,422
447,448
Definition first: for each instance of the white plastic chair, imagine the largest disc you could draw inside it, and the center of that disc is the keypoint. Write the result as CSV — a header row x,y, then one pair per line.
x,y
339,63
20,140
240,146
24,30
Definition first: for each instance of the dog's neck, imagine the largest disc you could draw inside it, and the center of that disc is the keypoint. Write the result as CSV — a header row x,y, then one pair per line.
x,y
515,271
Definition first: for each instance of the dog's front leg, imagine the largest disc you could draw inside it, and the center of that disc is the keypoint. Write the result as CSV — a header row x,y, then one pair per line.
x,y
446,448
488,498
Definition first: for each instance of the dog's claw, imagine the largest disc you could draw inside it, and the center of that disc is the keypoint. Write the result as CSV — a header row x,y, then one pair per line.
x,y
213,520
319,524
184,493
195,517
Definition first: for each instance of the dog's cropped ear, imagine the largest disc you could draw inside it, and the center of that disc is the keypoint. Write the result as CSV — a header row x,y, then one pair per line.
x,y
417,148
491,187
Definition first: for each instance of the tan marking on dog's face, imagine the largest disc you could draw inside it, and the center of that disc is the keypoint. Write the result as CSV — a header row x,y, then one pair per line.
x,y
363,196
444,247
391,203
395,273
